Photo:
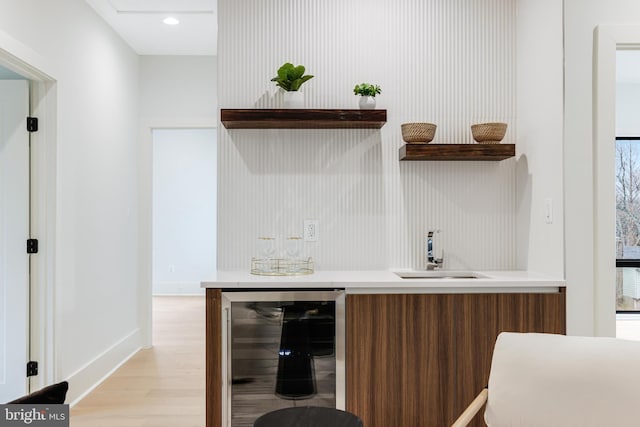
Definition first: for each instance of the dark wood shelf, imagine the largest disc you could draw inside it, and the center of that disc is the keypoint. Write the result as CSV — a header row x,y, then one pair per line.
x,y
302,119
467,152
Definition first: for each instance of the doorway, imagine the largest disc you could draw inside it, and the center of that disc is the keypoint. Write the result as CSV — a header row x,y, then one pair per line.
x,y
14,232
42,199
184,210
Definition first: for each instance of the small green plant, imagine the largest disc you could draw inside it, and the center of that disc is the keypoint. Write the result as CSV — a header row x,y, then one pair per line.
x,y
290,77
367,89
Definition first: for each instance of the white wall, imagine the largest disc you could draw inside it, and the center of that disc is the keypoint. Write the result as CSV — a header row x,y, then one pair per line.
x,y
184,209
580,19
6,74
175,92
448,62
539,139
177,89
628,109
628,92
96,192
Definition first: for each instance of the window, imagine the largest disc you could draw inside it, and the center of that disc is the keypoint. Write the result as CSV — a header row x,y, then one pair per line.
x,y
628,224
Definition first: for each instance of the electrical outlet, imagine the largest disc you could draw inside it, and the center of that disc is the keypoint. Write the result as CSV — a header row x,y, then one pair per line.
x,y
310,230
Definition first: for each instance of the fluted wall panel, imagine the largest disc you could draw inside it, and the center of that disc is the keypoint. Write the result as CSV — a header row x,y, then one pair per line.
x,y
450,62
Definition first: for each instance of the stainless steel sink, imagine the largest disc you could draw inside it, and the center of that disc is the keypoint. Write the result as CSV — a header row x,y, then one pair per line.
x,y
440,274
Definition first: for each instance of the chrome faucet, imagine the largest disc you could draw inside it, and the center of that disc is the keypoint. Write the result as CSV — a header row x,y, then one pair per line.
x,y
433,263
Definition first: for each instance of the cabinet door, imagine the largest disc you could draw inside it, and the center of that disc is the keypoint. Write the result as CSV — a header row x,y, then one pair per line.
x,y
400,359
419,360
479,320
476,329
532,312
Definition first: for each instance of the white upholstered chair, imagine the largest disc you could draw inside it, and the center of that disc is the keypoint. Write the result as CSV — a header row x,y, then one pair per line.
x,y
547,380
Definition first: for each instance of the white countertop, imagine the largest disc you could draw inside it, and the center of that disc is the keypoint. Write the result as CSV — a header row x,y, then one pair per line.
x,y
386,281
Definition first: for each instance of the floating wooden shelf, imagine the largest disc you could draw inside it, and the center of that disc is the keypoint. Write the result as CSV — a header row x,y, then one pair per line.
x,y
302,119
457,151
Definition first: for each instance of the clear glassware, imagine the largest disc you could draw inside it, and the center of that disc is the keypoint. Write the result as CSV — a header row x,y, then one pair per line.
x,y
293,249
266,249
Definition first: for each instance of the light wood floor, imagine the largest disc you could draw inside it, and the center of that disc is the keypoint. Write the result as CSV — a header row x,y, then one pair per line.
x,y
163,386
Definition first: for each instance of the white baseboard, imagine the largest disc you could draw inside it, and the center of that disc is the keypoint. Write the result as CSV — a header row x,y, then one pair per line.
x,y
87,378
177,288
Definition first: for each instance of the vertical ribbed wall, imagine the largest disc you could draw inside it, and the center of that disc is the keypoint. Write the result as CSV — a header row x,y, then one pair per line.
x,y
450,62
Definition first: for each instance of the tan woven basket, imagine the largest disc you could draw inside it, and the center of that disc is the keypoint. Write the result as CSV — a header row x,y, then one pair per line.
x,y
488,133
418,133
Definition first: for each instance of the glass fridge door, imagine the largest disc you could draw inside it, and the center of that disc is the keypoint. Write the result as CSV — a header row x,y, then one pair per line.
x,y
282,349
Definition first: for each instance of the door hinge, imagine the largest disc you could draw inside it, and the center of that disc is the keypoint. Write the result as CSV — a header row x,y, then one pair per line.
x,y
32,124
32,369
32,246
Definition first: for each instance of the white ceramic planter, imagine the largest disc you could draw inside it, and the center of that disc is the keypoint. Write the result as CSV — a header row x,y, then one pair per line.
x,y
367,102
293,99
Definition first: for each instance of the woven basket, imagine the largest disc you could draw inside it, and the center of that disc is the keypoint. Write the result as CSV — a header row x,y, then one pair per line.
x,y
488,133
418,133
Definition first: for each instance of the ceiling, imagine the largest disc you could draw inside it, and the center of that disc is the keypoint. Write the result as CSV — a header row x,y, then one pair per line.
x,y
139,23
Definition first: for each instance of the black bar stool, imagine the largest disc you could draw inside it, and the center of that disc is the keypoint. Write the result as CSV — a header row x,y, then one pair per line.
x,y
295,377
308,416
308,330
322,328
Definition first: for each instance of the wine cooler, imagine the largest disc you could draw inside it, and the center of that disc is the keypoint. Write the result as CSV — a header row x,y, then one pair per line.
x,y
281,349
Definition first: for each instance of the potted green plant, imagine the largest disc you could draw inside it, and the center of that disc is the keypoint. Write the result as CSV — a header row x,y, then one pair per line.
x,y
367,92
290,78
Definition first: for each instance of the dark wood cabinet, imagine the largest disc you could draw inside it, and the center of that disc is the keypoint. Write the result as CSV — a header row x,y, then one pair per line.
x,y
475,329
412,360
398,359
420,359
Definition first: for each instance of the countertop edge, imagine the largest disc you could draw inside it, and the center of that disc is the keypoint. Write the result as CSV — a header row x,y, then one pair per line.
x,y
385,280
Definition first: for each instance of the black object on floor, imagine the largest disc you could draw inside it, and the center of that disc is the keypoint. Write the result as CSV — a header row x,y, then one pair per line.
x,y
236,381
295,378
51,395
308,416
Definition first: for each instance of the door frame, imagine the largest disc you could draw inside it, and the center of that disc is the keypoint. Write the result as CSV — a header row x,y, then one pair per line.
x,y
145,212
43,104
608,39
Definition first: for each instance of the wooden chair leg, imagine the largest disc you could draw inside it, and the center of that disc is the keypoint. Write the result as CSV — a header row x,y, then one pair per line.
x,y
472,409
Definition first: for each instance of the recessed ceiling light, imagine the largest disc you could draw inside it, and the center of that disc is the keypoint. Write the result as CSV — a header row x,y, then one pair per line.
x,y
171,21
